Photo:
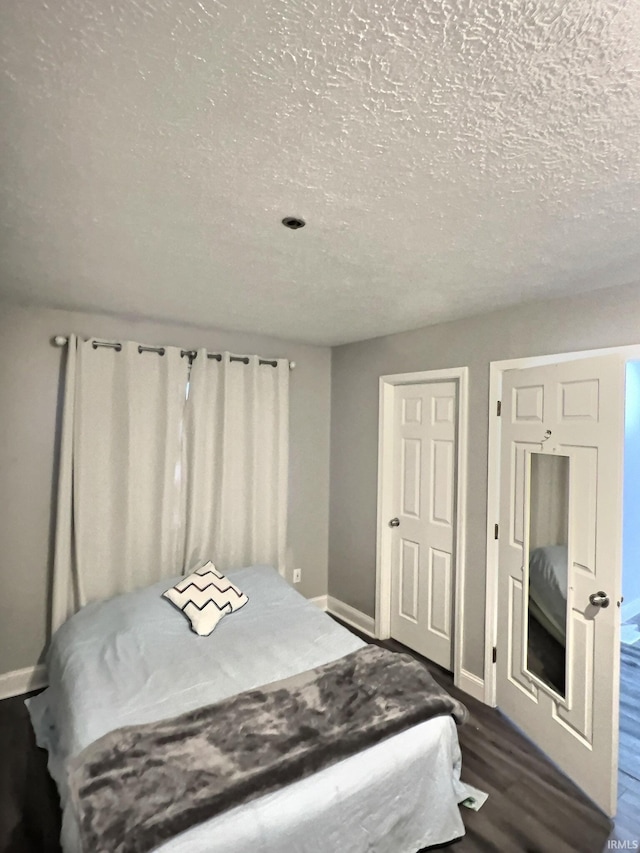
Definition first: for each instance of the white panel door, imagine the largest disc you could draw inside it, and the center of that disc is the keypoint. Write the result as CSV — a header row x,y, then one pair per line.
x,y
573,410
424,488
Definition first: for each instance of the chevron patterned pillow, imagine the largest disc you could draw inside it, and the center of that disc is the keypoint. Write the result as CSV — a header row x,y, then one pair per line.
x,y
205,596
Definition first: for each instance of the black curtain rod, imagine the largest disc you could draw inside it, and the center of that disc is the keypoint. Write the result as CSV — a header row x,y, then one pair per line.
x,y
185,353
61,340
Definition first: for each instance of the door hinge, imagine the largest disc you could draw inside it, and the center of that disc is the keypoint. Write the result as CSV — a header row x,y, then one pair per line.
x,y
495,531
494,654
499,408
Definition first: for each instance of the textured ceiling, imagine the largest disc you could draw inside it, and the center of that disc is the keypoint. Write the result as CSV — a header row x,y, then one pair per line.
x,y
448,156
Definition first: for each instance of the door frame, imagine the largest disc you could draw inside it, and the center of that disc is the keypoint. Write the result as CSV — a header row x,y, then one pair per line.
x,y
460,375
496,371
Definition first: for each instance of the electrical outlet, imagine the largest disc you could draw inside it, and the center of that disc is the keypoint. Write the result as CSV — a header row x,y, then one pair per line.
x,y
297,575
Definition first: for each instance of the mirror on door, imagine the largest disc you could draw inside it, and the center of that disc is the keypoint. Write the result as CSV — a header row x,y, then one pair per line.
x,y
548,541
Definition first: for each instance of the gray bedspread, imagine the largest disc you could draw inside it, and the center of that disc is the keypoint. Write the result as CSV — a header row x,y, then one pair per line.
x,y
138,786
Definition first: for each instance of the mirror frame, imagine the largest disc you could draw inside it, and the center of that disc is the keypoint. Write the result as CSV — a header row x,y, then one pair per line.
x,y
565,700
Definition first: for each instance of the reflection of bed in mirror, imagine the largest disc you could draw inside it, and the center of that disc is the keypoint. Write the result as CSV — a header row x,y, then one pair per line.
x,y
548,516
546,656
548,589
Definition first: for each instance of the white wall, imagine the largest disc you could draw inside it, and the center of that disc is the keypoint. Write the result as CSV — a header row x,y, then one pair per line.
x,y
29,425
604,318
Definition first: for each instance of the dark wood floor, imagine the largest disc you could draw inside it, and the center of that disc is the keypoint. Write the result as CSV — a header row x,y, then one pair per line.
x,y
628,817
531,807
29,805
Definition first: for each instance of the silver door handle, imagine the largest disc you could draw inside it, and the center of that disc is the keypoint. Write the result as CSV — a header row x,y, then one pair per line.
x,y
599,599
395,522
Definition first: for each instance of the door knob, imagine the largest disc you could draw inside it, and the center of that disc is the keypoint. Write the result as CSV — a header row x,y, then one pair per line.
x,y
599,599
395,522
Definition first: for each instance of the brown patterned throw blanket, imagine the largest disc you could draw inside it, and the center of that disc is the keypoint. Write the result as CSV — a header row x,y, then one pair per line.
x,y
138,786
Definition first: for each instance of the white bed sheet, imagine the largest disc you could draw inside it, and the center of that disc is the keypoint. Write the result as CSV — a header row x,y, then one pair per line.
x,y
133,659
548,587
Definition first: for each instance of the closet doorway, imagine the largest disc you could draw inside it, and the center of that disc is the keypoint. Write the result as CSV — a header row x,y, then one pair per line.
x,y
629,746
421,486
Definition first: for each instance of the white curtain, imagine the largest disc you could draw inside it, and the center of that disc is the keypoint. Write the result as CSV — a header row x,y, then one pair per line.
x,y
237,451
121,493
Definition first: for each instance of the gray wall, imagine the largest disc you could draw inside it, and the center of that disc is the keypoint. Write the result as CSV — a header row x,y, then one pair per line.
x,y
605,318
29,405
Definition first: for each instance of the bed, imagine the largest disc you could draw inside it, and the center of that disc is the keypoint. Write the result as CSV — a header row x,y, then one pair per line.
x,y
548,589
133,659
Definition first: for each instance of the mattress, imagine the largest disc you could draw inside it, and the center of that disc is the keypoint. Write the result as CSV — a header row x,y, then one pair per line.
x,y
132,659
548,589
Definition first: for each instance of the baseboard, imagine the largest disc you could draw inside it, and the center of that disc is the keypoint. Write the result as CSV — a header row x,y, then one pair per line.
x,y
320,601
351,616
22,681
471,684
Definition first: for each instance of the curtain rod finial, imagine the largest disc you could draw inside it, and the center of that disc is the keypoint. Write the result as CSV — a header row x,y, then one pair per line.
x,y
60,340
